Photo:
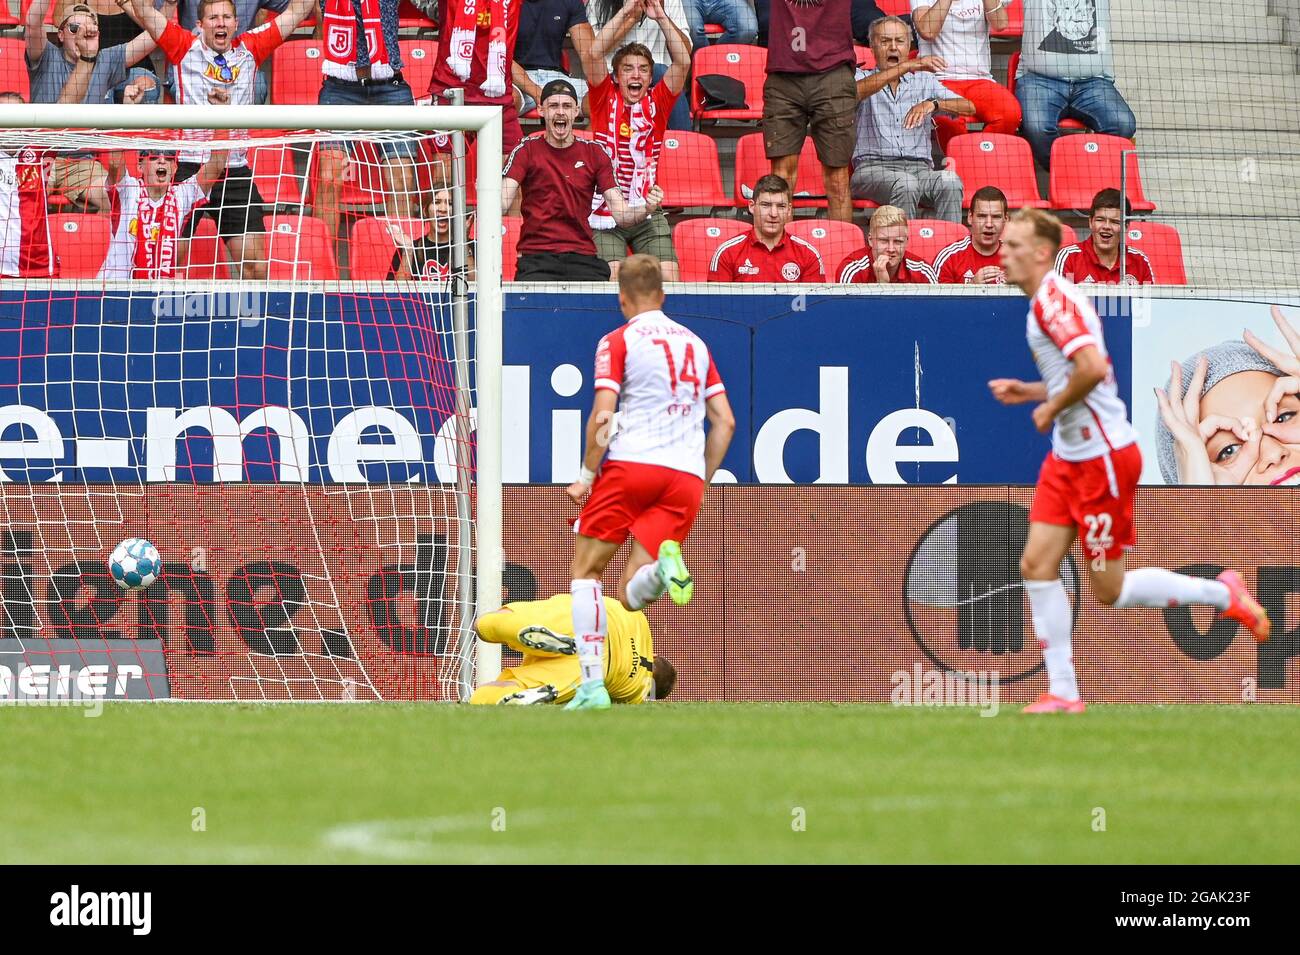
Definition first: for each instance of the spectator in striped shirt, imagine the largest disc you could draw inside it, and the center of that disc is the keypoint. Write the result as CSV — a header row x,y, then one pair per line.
x,y
629,117
1095,260
977,259
884,260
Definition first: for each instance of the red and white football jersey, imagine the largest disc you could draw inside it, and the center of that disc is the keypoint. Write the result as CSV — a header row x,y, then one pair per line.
x,y
633,135
1080,264
959,263
856,269
663,375
145,230
1061,321
24,228
200,70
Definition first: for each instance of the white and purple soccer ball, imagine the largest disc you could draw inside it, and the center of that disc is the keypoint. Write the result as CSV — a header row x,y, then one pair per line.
x,y
135,563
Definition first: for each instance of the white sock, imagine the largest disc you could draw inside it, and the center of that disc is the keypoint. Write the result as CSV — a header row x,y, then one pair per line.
x,y
645,587
1052,619
589,628
1156,587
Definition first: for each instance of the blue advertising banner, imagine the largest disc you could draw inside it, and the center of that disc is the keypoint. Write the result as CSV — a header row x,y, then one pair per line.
x,y
280,385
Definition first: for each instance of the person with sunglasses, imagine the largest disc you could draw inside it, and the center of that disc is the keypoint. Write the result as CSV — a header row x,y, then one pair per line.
x,y
218,67
77,70
78,64
149,211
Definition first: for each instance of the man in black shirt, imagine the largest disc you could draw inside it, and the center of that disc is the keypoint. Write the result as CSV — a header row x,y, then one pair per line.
x,y
539,50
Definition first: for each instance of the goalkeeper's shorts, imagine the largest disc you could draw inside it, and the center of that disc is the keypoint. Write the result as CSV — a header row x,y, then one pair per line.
x,y
651,502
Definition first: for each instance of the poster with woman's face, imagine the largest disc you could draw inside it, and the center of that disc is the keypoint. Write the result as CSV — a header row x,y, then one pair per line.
x,y
1216,392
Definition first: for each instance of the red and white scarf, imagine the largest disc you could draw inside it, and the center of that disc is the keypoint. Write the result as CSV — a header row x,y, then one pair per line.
x,y
157,229
466,19
633,148
341,34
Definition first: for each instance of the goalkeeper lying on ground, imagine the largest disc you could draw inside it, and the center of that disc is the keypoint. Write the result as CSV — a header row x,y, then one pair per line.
x,y
542,630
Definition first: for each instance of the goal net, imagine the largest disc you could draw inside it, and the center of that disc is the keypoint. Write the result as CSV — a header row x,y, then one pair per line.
x,y
266,351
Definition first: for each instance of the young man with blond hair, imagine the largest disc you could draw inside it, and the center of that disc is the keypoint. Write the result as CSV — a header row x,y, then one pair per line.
x,y
884,259
1089,479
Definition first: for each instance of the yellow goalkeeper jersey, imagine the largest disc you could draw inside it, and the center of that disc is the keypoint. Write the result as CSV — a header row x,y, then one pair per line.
x,y
629,648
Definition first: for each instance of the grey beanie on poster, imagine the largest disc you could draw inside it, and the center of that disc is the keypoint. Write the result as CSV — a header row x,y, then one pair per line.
x,y
1224,359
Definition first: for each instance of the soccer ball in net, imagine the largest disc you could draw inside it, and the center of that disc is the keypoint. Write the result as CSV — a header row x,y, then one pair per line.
x,y
135,563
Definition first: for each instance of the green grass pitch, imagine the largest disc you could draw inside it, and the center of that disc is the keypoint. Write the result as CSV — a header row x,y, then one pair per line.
x,y
657,783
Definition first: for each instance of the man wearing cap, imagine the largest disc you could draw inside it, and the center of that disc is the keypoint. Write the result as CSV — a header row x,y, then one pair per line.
x,y
558,175
75,71
147,215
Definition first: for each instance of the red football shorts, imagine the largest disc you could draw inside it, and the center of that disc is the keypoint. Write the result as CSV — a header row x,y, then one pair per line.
x,y
1096,496
653,503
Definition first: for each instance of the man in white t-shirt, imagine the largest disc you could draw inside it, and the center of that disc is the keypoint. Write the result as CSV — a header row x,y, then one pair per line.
x,y
957,31
147,215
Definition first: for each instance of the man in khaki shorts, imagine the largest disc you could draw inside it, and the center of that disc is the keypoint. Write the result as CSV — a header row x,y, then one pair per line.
x,y
629,117
810,89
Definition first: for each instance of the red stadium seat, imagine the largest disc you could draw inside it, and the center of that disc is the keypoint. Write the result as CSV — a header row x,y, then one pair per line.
x,y
26,5
745,63
274,174
208,258
926,238
992,159
13,68
697,239
1016,27
689,172
80,244
7,18
295,73
510,226
1067,125
299,248
1163,246
752,163
371,246
832,239
1082,166
363,179
895,8
865,58
418,60
411,17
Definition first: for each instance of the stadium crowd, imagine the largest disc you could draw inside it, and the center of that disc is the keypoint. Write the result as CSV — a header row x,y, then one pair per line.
x,y
879,131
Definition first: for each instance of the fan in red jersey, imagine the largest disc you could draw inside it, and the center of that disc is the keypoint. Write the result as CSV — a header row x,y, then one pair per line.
x,y
884,258
977,259
767,252
476,53
24,227
1089,480
148,214
660,378
1095,260
629,118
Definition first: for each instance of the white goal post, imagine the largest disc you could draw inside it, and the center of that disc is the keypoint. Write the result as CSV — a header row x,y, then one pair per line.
x,y
63,120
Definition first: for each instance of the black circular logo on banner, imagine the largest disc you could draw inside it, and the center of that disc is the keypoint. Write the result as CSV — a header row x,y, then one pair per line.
x,y
963,597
